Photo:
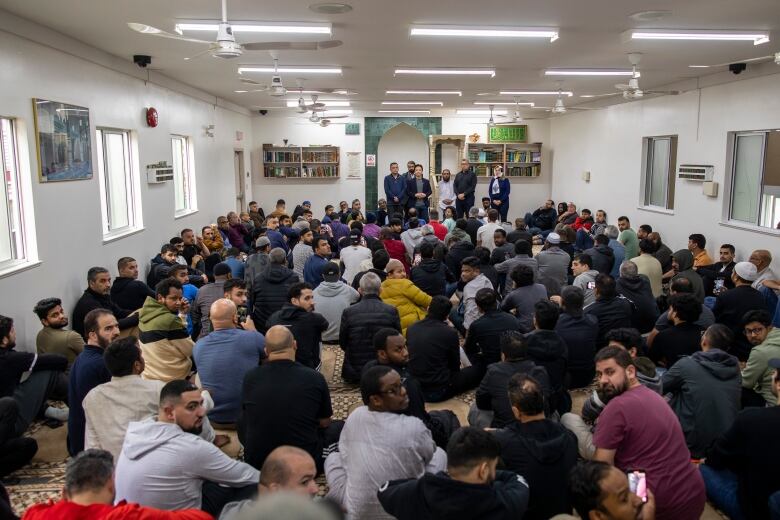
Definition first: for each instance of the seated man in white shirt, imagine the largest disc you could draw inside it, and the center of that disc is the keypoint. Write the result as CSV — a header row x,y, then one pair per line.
x,y
164,464
378,444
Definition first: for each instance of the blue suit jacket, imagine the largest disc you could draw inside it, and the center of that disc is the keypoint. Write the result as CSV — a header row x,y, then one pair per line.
x,y
395,188
503,189
411,189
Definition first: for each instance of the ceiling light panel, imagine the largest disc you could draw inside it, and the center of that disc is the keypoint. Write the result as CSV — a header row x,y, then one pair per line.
x,y
257,27
428,103
504,103
535,93
483,32
475,112
287,70
589,72
449,72
404,111
327,103
757,37
425,92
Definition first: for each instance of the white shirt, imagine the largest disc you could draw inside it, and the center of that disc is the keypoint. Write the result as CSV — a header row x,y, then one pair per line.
x,y
446,192
352,257
470,309
485,235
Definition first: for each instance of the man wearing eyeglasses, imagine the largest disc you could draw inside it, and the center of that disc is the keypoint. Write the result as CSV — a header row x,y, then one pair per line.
x,y
757,374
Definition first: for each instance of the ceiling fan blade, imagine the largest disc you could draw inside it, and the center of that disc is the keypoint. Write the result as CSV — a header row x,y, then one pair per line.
x,y
280,46
749,60
622,86
337,117
329,44
664,92
316,107
154,31
201,53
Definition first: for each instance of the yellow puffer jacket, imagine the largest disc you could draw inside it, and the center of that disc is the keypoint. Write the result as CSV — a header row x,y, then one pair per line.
x,y
411,302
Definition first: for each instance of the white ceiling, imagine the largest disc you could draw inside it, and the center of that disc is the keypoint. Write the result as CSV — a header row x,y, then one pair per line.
x,y
376,40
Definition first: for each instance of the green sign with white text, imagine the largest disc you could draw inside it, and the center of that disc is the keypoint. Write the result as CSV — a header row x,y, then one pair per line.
x,y
507,133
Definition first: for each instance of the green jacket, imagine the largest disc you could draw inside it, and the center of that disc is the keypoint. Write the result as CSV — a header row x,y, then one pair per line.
x,y
757,374
165,344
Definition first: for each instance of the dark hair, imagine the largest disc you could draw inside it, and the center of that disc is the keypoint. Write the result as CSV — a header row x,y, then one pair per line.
x,y
762,317
647,228
492,214
171,392
168,248
619,354
395,222
439,308
514,345
483,253
175,241
546,314
280,202
91,320
584,259
523,247
572,299
486,299
93,273
380,258
647,246
204,228
719,336
623,217
698,239
601,239
315,243
629,337
522,275
297,289
43,307
356,224
163,288
470,446
233,251
586,210
90,470
369,381
471,261
681,285
6,324
426,250
380,337
500,231
433,214
185,230
120,355
529,401
414,222
485,199
122,262
585,486
176,268
729,247
606,286
461,224
229,285
686,306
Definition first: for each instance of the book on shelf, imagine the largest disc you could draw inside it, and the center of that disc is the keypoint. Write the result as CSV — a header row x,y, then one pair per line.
x,y
524,171
271,156
282,171
525,156
321,157
321,171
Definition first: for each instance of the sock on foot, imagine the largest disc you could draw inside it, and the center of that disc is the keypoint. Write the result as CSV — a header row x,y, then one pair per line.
x,y
60,414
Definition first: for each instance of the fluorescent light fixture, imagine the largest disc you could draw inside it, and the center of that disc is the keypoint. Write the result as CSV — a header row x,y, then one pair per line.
x,y
284,70
258,27
504,103
240,91
449,72
426,92
698,66
294,104
483,32
472,112
431,103
589,72
757,37
535,93
404,111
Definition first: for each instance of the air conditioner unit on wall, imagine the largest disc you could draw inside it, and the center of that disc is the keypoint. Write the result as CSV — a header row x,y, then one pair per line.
x,y
695,172
159,173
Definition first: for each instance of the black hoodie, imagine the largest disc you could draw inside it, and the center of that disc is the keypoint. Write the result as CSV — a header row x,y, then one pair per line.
x,y
645,311
458,251
603,258
547,349
543,452
129,293
269,293
432,276
441,497
306,327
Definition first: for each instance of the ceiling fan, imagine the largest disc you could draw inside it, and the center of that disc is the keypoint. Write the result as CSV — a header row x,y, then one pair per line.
x,y
516,117
226,46
299,82
631,90
559,107
316,118
303,107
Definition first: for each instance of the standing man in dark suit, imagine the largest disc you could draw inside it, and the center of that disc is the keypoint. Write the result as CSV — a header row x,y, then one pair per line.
x,y
395,191
465,185
418,191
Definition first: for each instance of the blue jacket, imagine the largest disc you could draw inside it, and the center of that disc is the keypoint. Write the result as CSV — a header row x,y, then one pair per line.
x,y
277,240
411,189
620,255
504,188
395,187
88,371
312,270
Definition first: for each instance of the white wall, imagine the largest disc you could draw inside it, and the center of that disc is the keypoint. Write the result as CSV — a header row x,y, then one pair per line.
x,y
67,214
608,143
400,144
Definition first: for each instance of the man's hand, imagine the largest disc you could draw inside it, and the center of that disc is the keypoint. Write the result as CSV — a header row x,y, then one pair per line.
x,y
647,512
497,202
557,300
447,201
461,196
248,324
185,306
395,199
204,278
196,259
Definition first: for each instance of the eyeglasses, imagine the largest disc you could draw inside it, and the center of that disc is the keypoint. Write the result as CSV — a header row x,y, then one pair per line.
x,y
393,390
754,332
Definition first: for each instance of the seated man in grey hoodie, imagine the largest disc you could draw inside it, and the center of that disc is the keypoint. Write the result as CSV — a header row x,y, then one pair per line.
x,y
164,464
331,297
584,276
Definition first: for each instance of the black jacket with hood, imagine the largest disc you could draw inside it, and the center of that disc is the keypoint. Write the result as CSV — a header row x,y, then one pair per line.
x,y
603,258
432,276
637,289
359,323
684,259
440,497
306,327
543,452
269,293
547,349
612,313
129,293
458,251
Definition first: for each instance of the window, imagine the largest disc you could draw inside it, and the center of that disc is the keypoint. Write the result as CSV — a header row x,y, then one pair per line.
x,y
119,188
183,178
658,170
754,164
12,242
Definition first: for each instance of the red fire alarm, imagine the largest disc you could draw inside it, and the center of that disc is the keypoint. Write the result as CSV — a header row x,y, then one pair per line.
x,y
151,117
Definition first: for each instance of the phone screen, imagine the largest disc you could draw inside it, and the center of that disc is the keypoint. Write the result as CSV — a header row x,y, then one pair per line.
x,y
637,482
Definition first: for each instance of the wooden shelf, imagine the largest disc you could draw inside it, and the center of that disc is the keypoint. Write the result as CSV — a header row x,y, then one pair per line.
x,y
517,159
297,165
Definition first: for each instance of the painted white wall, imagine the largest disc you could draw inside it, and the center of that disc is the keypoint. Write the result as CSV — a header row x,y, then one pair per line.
x,y
400,144
608,143
67,214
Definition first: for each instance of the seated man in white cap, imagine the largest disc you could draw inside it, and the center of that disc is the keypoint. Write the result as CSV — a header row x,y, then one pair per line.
x,y
731,305
553,264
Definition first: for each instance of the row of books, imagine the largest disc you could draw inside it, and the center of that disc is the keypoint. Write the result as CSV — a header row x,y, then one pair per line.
x,y
321,157
481,156
282,171
269,156
524,171
321,171
306,172
523,157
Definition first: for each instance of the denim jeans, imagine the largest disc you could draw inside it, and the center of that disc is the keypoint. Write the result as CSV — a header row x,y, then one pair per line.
x,y
772,303
721,488
584,241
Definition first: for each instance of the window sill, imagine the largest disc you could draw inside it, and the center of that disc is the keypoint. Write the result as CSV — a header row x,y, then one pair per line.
x,y
112,237
185,213
744,226
18,267
656,209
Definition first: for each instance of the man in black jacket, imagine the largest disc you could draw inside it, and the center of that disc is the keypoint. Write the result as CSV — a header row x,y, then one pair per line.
x,y
601,254
579,331
431,275
637,289
684,338
98,296
127,291
470,488
732,305
484,334
720,270
541,450
306,325
546,348
465,185
542,221
360,324
379,260
457,252
270,288
612,311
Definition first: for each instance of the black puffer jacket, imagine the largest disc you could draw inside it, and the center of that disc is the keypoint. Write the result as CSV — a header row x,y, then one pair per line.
x,y
547,349
306,327
432,276
269,293
637,289
359,323
129,293
458,251
603,258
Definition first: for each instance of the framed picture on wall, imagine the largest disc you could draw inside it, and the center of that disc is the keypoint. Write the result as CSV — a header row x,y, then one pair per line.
x,y
63,139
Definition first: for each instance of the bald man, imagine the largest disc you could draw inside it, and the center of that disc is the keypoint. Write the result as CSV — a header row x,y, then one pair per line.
x,y
223,357
762,259
302,418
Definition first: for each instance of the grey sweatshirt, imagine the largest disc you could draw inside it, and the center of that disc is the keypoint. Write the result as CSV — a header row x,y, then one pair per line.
x,y
164,467
587,282
330,300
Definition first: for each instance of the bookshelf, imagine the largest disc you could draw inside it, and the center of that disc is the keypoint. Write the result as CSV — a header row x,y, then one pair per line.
x,y
300,162
518,160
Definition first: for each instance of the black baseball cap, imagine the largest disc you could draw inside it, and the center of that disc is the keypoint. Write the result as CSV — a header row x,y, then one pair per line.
x,y
331,272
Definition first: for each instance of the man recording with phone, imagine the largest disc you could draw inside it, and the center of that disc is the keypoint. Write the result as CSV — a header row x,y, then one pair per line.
x,y
600,491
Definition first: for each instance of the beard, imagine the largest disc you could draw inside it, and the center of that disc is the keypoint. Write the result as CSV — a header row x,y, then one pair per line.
x,y
608,392
196,429
59,325
103,342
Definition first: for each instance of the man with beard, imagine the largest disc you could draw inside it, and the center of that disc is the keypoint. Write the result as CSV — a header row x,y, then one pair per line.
x,y
446,191
127,291
98,296
88,371
638,429
601,491
164,464
53,338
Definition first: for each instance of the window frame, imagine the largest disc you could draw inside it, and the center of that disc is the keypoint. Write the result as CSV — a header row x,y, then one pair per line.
x,y
648,147
188,177
132,184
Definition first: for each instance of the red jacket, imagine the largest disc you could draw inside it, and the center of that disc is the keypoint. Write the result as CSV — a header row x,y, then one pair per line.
x,y
65,510
397,250
579,223
439,229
